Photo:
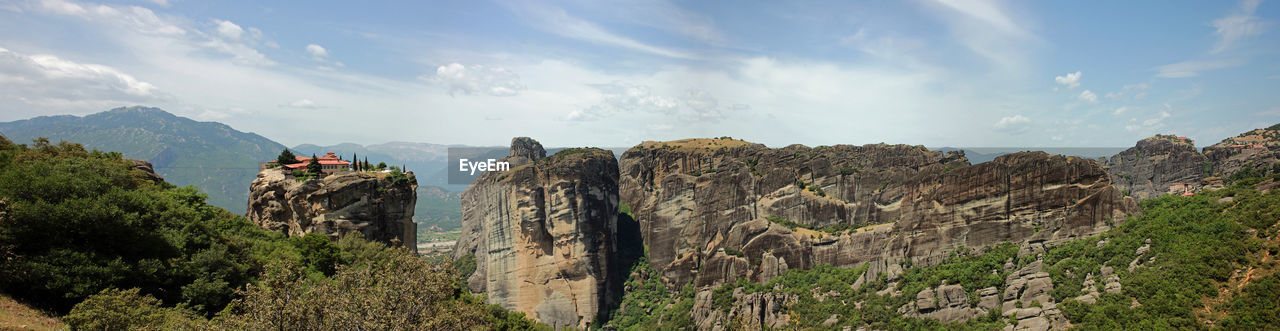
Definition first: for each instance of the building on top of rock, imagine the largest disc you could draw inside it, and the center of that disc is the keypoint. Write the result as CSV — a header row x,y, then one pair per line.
x,y
379,206
329,164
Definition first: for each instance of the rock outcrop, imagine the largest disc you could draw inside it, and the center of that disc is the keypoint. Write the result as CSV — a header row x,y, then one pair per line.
x,y
376,205
146,170
693,197
544,233
1158,165
1256,150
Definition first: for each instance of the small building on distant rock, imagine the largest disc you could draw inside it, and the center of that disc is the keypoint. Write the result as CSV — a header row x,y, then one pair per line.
x,y
329,164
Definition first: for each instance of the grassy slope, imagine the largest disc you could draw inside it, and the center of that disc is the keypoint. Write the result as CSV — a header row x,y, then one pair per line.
x,y
15,315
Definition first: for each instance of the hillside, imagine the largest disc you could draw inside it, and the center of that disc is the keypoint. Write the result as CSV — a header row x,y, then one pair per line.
x,y
98,241
212,156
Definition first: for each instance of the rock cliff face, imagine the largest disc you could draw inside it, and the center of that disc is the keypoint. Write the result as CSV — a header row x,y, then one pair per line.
x,y
544,233
874,203
1158,165
374,204
1259,150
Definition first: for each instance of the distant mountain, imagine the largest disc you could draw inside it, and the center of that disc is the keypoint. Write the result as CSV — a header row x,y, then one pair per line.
x,y
213,156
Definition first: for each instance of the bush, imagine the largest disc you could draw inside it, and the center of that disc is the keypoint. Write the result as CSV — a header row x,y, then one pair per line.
x,y
404,292
114,309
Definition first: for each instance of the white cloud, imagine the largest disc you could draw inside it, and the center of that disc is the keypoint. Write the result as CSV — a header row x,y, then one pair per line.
x,y
50,80
301,104
988,29
221,114
1193,68
317,52
1120,111
1238,25
1015,124
1150,124
161,3
1138,91
228,29
132,17
1071,80
625,97
141,28
477,79
618,98
557,21
1088,96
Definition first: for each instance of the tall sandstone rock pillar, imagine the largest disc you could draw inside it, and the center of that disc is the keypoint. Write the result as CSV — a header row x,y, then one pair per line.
x,y
543,233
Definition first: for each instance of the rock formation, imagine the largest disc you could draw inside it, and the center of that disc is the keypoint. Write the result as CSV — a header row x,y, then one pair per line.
x,y
543,233
1158,165
376,205
146,170
874,203
1258,150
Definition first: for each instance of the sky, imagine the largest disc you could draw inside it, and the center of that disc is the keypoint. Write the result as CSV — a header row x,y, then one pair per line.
x,y
975,73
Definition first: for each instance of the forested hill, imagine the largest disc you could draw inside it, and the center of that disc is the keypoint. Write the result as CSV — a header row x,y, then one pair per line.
x,y
216,158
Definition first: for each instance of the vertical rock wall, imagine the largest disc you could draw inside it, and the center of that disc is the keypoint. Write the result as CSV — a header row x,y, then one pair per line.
x,y
544,233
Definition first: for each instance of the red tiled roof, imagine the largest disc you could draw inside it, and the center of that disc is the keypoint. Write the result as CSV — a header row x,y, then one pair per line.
x,y
327,159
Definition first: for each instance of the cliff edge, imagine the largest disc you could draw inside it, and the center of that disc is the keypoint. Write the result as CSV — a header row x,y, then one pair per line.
x,y
544,233
376,205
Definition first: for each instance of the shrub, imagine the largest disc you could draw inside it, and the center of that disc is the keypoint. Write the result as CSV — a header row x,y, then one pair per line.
x,y
114,309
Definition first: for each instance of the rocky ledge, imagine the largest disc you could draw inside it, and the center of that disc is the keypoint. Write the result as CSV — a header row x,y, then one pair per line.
x,y
376,205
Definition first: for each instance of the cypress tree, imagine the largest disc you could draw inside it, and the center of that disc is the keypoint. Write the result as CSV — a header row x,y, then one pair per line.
x,y
314,167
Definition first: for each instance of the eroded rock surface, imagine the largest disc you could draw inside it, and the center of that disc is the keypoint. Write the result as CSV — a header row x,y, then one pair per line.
x,y
367,203
1158,165
544,233
693,197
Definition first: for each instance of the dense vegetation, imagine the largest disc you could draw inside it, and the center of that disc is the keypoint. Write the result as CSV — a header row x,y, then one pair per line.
x,y
83,233
1197,243
212,156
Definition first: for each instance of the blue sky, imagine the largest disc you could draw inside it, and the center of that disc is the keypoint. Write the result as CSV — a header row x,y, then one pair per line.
x,y
615,73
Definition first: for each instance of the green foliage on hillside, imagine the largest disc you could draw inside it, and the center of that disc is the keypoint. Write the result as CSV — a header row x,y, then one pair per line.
x,y
212,156
879,312
83,232
648,305
831,229
437,207
1196,244
81,221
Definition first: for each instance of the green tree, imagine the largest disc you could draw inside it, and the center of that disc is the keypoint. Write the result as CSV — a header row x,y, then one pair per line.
x,y
114,309
286,157
314,166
